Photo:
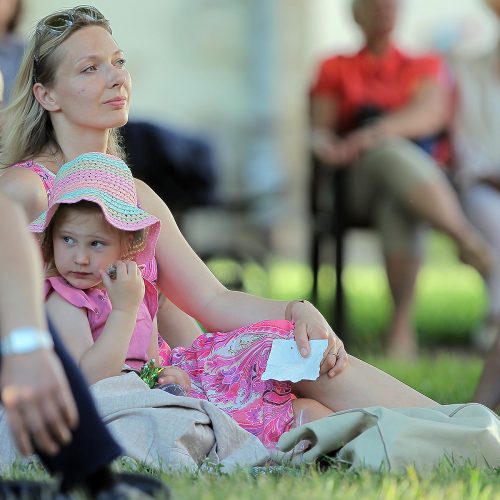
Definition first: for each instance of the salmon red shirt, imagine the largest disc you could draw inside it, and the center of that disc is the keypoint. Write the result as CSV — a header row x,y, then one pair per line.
x,y
386,81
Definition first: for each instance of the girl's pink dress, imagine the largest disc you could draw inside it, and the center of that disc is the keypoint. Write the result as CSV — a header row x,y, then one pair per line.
x,y
95,302
226,367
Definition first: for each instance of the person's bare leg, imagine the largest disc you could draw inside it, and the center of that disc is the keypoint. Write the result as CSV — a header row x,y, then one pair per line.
x,y
402,273
436,203
488,389
306,410
360,385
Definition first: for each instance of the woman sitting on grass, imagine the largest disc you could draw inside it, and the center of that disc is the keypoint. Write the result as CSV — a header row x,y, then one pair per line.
x,y
72,93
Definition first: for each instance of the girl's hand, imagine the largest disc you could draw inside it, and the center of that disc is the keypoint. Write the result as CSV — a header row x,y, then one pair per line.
x,y
126,290
310,325
175,375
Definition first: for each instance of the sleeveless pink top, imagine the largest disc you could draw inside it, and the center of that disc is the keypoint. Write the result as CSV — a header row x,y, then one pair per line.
x,y
98,306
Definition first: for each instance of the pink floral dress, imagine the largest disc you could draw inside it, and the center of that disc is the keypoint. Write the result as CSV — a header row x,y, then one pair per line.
x,y
226,367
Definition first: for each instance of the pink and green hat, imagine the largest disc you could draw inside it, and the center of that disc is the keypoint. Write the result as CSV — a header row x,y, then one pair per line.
x,y
107,181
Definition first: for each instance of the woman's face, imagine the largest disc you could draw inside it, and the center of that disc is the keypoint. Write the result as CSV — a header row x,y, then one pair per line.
x,y
7,10
377,17
92,86
495,6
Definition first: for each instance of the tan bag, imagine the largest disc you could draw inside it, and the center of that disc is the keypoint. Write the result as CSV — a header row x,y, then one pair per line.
x,y
393,439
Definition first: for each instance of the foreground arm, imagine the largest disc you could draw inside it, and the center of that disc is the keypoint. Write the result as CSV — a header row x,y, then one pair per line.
x,y
34,390
328,147
192,287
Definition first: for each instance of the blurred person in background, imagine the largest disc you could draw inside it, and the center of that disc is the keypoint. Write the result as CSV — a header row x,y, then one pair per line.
x,y
11,45
477,158
378,114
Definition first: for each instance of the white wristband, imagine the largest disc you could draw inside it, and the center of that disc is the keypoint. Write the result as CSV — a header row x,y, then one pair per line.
x,y
24,341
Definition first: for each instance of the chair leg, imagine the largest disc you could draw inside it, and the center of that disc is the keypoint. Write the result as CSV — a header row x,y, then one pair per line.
x,y
315,262
339,224
339,306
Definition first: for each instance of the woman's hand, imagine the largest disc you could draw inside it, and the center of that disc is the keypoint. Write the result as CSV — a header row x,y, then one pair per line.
x,y
332,150
38,402
311,325
175,375
365,138
126,289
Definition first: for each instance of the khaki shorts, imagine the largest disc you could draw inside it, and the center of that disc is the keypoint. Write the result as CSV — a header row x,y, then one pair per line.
x,y
379,185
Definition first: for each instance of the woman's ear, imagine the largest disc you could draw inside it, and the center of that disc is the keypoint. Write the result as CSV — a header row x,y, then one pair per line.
x,y
45,97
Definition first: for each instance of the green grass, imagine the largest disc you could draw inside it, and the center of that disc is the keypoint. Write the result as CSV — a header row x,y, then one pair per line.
x,y
309,483
444,377
315,483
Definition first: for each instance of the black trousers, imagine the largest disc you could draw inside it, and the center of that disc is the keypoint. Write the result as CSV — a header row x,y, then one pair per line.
x,y
92,446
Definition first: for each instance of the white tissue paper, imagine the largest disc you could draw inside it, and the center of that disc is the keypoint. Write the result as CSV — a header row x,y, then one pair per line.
x,y
286,363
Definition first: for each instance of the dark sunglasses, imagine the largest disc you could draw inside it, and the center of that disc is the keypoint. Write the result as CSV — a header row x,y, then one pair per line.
x,y
59,22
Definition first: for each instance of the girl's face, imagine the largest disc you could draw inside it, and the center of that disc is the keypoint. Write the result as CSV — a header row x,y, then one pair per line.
x,y
85,243
92,86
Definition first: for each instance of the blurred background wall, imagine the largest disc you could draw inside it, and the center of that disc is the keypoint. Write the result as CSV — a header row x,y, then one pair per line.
x,y
237,72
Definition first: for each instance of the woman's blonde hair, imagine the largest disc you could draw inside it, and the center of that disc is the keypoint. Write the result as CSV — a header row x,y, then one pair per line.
x,y
28,128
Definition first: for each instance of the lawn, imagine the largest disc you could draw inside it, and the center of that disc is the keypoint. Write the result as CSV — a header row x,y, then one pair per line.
x,y
444,377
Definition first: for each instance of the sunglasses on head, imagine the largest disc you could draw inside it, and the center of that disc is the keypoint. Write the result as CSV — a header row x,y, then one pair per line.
x,y
59,22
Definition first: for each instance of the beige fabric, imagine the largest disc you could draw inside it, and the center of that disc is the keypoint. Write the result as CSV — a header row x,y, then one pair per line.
x,y
173,432
163,430
379,437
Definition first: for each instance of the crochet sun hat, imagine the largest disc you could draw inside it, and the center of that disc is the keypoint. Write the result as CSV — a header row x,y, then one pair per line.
x,y
107,181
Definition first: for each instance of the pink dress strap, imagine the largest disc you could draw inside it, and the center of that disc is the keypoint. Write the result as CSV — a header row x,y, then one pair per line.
x,y
46,176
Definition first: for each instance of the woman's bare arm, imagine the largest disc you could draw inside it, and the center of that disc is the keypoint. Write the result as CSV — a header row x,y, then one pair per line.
x,y
192,287
25,188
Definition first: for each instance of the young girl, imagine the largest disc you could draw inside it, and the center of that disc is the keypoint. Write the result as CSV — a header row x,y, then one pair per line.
x,y
95,241
107,319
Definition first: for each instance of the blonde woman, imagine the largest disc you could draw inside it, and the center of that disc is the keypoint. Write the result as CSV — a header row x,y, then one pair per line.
x,y
72,92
